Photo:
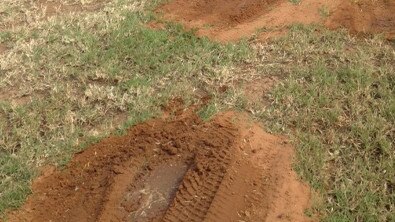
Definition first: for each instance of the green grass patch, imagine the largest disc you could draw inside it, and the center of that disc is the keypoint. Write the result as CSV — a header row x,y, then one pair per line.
x,y
338,105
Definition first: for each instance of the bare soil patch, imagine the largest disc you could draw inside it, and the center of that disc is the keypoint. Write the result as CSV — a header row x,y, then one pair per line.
x,y
228,21
3,48
175,169
365,17
15,97
257,90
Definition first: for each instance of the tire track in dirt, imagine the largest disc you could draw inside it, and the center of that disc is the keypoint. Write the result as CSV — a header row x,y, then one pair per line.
x,y
200,185
174,169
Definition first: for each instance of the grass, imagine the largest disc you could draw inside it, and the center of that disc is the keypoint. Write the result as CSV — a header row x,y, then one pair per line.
x,y
337,104
295,1
68,81
324,11
76,78
344,118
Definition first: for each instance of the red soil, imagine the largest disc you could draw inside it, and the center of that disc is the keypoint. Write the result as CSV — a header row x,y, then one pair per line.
x,y
365,17
175,169
231,20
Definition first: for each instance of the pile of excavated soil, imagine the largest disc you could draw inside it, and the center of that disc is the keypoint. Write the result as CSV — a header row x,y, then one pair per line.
x,y
177,168
231,20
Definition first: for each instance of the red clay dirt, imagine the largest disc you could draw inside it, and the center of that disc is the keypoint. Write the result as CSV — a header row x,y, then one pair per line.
x,y
231,20
365,16
177,168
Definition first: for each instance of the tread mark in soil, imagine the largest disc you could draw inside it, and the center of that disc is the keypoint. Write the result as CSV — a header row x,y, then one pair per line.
x,y
199,186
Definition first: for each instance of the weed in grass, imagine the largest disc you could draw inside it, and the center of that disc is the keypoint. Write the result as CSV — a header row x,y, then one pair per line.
x,y
295,1
208,111
324,11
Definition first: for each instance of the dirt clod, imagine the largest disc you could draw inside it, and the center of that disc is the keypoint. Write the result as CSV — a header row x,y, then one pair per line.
x,y
227,169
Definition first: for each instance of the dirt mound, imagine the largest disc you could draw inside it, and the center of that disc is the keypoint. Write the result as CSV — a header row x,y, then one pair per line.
x,y
175,169
216,17
218,12
365,16
231,20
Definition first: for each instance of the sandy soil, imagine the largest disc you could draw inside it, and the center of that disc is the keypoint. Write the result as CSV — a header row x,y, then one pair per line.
x,y
177,168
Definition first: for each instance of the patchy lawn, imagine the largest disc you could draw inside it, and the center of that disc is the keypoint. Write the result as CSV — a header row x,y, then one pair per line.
x,y
67,80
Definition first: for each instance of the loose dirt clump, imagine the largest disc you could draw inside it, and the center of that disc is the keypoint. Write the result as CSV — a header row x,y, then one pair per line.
x,y
231,20
177,168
